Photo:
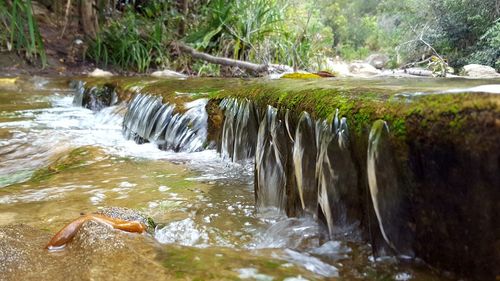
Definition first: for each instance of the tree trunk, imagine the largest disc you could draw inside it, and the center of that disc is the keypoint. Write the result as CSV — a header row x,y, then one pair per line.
x,y
183,8
88,18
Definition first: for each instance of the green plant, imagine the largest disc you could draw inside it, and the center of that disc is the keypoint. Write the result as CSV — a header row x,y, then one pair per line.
x,y
206,69
19,30
132,42
489,51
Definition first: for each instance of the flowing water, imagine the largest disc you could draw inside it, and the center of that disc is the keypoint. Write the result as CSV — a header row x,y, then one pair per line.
x,y
59,160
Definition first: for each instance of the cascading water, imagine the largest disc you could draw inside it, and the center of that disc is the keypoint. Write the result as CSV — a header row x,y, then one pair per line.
x,y
149,120
337,177
304,160
239,131
270,160
386,191
322,174
79,87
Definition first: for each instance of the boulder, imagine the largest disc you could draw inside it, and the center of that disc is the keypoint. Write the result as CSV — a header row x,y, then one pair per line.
x,y
100,73
166,73
338,67
480,71
363,69
379,61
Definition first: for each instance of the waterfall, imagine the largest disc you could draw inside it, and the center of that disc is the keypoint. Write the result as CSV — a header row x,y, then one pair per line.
x,y
298,168
270,160
304,159
79,87
387,193
337,177
149,120
240,128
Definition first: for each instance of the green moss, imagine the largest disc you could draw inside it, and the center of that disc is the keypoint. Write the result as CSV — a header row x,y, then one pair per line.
x,y
360,101
297,75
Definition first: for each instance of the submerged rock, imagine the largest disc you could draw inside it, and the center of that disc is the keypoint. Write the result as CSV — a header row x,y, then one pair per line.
x,y
75,158
97,252
480,71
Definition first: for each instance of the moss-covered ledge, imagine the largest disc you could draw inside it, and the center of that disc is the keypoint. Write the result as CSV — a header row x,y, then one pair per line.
x,y
446,148
360,101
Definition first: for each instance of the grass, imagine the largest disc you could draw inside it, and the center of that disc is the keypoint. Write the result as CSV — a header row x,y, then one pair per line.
x,y
19,30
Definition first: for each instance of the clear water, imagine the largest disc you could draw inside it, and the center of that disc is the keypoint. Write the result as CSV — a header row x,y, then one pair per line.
x,y
208,225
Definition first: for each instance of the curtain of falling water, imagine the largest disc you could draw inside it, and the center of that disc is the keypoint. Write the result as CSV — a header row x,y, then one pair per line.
x,y
323,170
79,87
387,193
270,160
240,128
304,160
149,120
338,196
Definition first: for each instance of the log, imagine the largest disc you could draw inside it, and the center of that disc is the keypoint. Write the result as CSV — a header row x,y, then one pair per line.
x,y
257,68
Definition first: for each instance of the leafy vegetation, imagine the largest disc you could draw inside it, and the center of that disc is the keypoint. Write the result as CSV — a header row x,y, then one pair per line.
x,y
19,31
134,41
305,34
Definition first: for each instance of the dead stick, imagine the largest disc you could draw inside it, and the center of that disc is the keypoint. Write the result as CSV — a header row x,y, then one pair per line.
x,y
257,68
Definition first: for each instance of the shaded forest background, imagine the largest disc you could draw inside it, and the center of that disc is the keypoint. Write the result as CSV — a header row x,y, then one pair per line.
x,y
305,34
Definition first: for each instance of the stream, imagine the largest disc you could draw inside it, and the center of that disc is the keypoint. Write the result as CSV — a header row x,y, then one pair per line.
x,y
204,204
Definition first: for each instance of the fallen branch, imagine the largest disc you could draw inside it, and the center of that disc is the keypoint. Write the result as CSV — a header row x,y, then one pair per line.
x,y
256,68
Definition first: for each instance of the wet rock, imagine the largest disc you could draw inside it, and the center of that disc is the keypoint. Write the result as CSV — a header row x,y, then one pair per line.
x,y
455,193
166,73
100,73
97,98
379,61
480,71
